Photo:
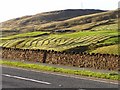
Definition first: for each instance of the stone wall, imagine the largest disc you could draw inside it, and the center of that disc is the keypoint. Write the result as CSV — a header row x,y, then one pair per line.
x,y
96,61
22,54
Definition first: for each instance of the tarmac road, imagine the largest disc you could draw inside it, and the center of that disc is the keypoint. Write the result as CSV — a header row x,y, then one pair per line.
x,y
23,78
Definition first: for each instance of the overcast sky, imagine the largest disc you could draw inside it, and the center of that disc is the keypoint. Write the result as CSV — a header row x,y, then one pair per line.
x,y
17,8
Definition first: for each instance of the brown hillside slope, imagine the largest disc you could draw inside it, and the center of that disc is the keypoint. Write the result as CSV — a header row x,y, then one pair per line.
x,y
46,17
84,22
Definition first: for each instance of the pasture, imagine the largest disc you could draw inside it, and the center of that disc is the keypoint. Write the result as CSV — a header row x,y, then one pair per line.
x,y
61,41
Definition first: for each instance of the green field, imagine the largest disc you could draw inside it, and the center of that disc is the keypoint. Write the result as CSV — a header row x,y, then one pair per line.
x,y
61,42
112,49
24,35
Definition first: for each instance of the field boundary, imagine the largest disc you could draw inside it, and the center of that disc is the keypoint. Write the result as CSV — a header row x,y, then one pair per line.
x,y
84,60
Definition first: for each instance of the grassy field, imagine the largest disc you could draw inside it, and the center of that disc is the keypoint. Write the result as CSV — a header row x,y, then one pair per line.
x,y
24,35
112,49
106,27
60,41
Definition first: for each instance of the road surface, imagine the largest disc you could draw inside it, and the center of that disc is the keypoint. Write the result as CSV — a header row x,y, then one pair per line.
x,y
22,78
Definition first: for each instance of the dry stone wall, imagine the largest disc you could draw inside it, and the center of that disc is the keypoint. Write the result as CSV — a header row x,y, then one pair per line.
x,y
96,61
22,54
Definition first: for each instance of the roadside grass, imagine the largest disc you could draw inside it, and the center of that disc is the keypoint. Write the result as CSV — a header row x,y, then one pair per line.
x,y
112,76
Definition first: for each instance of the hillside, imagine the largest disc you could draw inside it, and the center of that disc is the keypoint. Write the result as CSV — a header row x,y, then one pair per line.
x,y
78,41
51,21
85,22
34,22
84,32
112,49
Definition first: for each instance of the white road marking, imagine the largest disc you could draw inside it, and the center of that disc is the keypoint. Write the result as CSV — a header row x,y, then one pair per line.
x,y
27,79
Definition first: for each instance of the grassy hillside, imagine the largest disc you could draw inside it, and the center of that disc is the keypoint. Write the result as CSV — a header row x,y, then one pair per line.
x,y
43,22
112,49
87,22
86,32
78,41
42,18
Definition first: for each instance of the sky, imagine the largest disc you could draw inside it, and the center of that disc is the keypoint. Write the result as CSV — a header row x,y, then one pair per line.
x,y
10,9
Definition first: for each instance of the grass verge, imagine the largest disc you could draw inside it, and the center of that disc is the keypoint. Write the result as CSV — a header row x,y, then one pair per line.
x,y
112,76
